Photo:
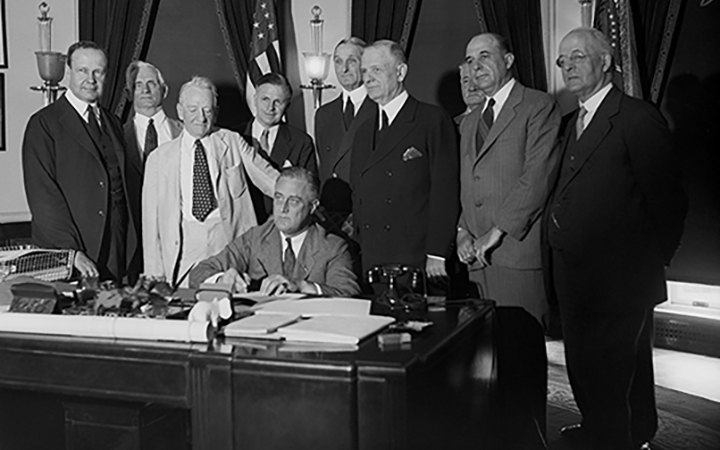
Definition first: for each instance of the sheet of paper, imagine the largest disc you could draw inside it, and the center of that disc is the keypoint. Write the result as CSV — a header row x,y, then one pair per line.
x,y
259,298
259,324
335,329
319,306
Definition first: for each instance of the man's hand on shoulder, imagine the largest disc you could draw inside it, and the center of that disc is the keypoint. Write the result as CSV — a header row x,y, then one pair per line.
x,y
85,265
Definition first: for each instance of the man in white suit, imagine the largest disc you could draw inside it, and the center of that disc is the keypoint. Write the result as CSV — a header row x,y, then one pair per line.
x,y
195,196
507,152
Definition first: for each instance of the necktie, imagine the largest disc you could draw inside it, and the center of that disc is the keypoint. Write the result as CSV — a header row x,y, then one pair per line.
x,y
488,114
203,202
288,259
93,123
151,138
385,121
580,124
349,113
264,142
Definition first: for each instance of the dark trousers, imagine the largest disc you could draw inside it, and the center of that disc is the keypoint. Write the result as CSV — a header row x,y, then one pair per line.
x,y
112,259
609,363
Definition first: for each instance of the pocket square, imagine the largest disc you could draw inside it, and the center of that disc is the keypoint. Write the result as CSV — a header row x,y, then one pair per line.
x,y
287,164
411,153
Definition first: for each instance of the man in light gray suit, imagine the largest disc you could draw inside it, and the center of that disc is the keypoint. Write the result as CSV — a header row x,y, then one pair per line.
x,y
289,253
507,152
195,197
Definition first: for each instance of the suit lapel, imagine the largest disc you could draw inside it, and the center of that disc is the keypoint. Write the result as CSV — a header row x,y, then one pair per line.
x,y
71,120
507,114
281,148
306,257
270,256
594,133
133,152
400,127
364,113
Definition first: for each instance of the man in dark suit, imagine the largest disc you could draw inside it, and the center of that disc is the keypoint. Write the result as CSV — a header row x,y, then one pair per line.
x,y
282,144
507,152
613,224
404,172
289,253
74,168
335,126
145,130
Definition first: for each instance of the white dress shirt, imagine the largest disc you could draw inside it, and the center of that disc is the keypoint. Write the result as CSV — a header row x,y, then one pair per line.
x,y
162,126
257,131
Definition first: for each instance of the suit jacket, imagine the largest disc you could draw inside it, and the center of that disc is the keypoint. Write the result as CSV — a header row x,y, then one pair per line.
x,y
135,171
405,186
617,212
161,209
323,259
292,146
66,183
334,144
506,183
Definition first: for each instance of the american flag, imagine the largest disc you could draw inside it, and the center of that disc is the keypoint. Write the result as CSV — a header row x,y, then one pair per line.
x,y
614,18
265,50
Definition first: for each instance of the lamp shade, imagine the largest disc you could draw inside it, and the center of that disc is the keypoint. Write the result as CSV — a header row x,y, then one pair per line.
x,y
51,66
317,66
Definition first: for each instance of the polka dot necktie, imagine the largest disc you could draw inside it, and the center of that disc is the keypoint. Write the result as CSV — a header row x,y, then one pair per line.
x,y
204,201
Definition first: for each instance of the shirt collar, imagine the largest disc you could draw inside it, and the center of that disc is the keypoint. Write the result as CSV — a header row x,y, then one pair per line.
x,y
297,241
357,96
393,107
188,141
593,103
501,96
80,105
257,130
158,119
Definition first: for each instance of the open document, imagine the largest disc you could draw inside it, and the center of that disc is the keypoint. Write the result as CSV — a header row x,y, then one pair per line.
x,y
326,320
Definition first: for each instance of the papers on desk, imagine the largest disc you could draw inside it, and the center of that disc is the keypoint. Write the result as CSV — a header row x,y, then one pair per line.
x,y
326,320
106,327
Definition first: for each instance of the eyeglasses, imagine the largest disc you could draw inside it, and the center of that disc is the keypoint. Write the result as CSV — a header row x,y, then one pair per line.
x,y
576,58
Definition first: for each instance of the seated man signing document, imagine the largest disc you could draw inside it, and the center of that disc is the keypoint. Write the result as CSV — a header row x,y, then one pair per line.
x,y
289,253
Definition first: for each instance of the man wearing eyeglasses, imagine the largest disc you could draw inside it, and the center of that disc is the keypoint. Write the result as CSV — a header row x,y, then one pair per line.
x,y
148,128
613,224
507,152
288,253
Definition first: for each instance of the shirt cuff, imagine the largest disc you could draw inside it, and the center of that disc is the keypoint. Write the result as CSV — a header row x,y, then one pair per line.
x,y
437,258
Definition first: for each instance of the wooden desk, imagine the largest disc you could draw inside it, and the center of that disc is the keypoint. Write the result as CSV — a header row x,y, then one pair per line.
x,y
436,392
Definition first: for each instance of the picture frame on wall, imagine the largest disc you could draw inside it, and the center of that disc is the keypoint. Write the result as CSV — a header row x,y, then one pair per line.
x,y
3,37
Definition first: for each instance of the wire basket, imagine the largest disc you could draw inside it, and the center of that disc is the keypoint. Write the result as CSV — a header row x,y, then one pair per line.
x,y
43,264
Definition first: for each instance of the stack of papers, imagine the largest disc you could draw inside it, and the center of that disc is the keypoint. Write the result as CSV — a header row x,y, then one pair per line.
x,y
326,320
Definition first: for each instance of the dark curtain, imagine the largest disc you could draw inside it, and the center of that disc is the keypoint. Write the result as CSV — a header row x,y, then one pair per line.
x,y
383,19
123,28
236,18
655,23
519,21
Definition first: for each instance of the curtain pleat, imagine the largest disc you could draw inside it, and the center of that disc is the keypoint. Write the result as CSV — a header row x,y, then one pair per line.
x,y
519,21
382,19
123,28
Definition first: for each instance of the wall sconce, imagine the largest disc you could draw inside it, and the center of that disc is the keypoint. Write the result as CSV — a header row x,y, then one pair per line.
x,y
586,13
317,63
51,65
